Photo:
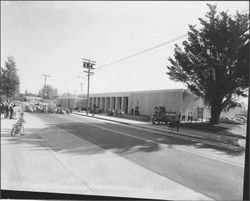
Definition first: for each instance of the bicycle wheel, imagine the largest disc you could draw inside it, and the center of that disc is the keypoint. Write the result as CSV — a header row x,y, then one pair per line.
x,y
14,131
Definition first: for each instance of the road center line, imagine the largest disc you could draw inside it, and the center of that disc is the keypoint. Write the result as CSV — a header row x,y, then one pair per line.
x,y
126,134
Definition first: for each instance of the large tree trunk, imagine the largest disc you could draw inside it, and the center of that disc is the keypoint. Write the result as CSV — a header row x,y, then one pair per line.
x,y
215,113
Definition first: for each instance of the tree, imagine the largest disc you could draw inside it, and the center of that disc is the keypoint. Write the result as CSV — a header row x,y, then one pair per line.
x,y
67,95
27,93
215,62
9,79
49,92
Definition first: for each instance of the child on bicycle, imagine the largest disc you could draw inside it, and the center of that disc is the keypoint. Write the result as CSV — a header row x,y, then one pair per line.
x,y
21,122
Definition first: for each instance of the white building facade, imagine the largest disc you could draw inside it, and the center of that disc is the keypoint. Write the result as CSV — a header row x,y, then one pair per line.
x,y
175,100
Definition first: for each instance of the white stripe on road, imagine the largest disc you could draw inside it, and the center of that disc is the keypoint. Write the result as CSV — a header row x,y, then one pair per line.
x,y
126,134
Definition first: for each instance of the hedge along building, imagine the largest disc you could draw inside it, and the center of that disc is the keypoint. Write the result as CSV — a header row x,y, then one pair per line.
x,y
174,100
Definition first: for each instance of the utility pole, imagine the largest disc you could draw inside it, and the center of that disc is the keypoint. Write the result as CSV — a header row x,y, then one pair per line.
x,y
88,64
45,76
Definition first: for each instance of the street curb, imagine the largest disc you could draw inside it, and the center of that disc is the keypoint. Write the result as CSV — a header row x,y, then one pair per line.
x,y
232,135
232,147
102,118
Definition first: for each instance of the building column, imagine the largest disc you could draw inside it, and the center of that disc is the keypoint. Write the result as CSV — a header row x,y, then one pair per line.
x,y
116,103
100,106
94,101
110,102
105,104
125,105
122,102
129,104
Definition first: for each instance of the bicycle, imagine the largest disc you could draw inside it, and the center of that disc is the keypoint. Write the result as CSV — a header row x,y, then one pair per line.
x,y
16,129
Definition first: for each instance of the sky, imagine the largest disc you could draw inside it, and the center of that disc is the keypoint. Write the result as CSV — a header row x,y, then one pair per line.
x,y
52,37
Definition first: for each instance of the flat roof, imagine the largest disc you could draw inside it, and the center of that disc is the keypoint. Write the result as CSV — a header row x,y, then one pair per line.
x,y
133,92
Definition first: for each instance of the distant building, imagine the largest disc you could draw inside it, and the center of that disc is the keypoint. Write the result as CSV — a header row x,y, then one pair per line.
x,y
33,98
72,102
175,100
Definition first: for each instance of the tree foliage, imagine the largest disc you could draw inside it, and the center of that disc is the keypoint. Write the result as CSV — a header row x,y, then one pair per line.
x,y
9,79
214,64
67,95
27,93
48,92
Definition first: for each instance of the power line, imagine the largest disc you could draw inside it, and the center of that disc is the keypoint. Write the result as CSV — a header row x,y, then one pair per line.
x,y
31,76
82,77
149,49
70,78
143,52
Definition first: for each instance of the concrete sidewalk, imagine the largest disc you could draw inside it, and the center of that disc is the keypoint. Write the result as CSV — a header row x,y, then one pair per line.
x,y
45,160
235,143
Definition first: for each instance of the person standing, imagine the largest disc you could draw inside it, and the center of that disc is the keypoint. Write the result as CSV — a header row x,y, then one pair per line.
x,y
183,117
6,110
14,111
21,122
2,109
11,111
178,122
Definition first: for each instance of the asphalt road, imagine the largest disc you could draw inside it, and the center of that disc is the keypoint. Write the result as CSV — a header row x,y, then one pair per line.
x,y
215,173
213,178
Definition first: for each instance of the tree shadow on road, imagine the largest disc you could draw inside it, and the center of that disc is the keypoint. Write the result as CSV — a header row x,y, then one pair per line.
x,y
171,142
122,144
109,140
97,139
56,138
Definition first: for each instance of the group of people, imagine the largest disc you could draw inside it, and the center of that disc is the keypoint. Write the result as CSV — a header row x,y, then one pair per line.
x,y
42,108
159,109
118,112
172,119
10,110
94,110
135,111
189,117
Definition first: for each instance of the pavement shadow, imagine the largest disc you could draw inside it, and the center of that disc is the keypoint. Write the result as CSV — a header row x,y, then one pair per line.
x,y
172,142
96,140
107,140
172,139
122,144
